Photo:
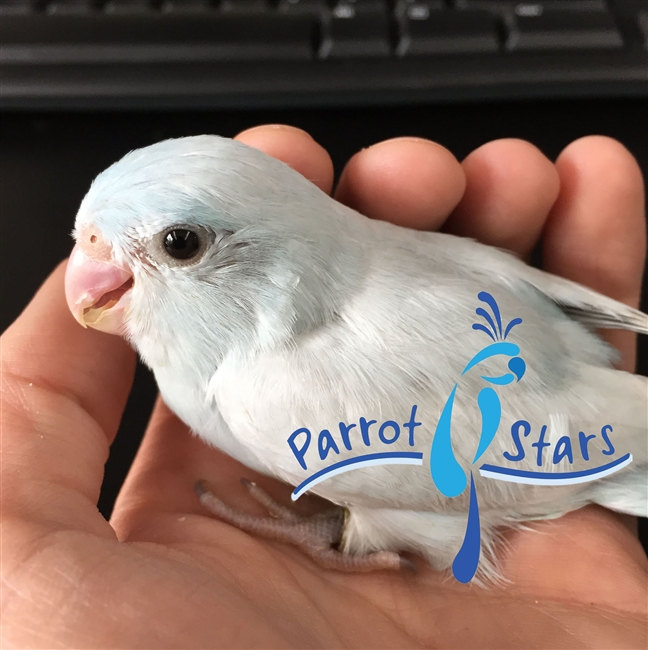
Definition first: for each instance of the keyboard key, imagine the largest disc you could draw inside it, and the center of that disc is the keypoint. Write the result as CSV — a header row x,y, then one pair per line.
x,y
363,6
643,26
185,6
128,6
17,7
588,5
553,29
495,6
71,7
509,7
315,7
244,6
352,33
422,7
537,7
446,32
154,38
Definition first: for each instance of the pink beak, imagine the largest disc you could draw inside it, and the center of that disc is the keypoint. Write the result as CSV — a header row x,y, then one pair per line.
x,y
97,292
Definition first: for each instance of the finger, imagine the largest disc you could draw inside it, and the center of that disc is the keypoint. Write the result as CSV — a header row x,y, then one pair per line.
x,y
510,188
409,181
596,231
64,390
294,147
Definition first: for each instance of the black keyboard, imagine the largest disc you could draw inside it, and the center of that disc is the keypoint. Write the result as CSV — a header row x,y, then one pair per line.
x,y
234,53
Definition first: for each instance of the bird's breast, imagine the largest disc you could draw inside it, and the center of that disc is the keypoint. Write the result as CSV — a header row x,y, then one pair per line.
x,y
199,411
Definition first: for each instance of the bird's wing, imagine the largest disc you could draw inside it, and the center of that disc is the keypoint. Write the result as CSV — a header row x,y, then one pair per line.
x,y
403,339
585,305
465,257
400,344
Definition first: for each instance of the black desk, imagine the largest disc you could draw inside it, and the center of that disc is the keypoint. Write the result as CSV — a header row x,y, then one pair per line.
x,y
47,162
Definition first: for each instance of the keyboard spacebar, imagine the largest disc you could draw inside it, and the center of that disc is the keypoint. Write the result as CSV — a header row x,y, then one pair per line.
x,y
151,39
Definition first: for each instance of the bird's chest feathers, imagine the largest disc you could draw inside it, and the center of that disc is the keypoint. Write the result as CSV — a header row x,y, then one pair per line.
x,y
189,400
267,402
260,403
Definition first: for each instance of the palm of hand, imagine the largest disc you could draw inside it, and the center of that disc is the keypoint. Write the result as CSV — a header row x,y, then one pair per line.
x,y
162,574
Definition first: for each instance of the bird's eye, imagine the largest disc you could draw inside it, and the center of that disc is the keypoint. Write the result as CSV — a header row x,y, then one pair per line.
x,y
182,244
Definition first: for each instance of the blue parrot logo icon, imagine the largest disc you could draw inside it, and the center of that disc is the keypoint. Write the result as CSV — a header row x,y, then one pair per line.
x,y
448,476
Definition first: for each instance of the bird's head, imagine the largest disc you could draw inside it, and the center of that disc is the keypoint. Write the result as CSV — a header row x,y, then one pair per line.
x,y
203,243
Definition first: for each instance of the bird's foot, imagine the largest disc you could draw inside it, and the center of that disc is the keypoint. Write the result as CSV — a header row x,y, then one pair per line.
x,y
316,535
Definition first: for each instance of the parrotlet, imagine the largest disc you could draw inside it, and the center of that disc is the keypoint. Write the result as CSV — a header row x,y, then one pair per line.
x,y
295,334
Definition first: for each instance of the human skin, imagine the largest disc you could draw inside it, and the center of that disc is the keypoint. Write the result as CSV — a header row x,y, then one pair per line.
x,y
163,574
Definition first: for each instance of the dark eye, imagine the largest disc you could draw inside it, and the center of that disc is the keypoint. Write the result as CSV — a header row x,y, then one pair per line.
x,y
182,244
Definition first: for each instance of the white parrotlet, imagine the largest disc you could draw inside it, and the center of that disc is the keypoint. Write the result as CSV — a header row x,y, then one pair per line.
x,y
265,307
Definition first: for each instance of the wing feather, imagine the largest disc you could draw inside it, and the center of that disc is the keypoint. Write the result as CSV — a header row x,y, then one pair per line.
x,y
586,305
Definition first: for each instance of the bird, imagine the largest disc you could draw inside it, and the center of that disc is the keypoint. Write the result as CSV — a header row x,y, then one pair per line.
x,y
299,336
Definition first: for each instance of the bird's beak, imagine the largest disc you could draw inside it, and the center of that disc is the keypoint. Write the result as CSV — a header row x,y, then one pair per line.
x,y
97,291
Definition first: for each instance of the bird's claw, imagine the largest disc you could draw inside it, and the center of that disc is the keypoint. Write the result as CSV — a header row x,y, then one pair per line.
x,y
315,535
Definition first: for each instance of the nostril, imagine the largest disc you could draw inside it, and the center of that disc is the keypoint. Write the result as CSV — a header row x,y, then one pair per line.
x,y
94,245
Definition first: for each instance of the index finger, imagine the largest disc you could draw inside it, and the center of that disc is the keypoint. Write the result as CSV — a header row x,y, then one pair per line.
x,y
294,147
63,392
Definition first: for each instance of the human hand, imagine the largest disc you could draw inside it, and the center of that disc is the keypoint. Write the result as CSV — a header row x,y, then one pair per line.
x,y
164,574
